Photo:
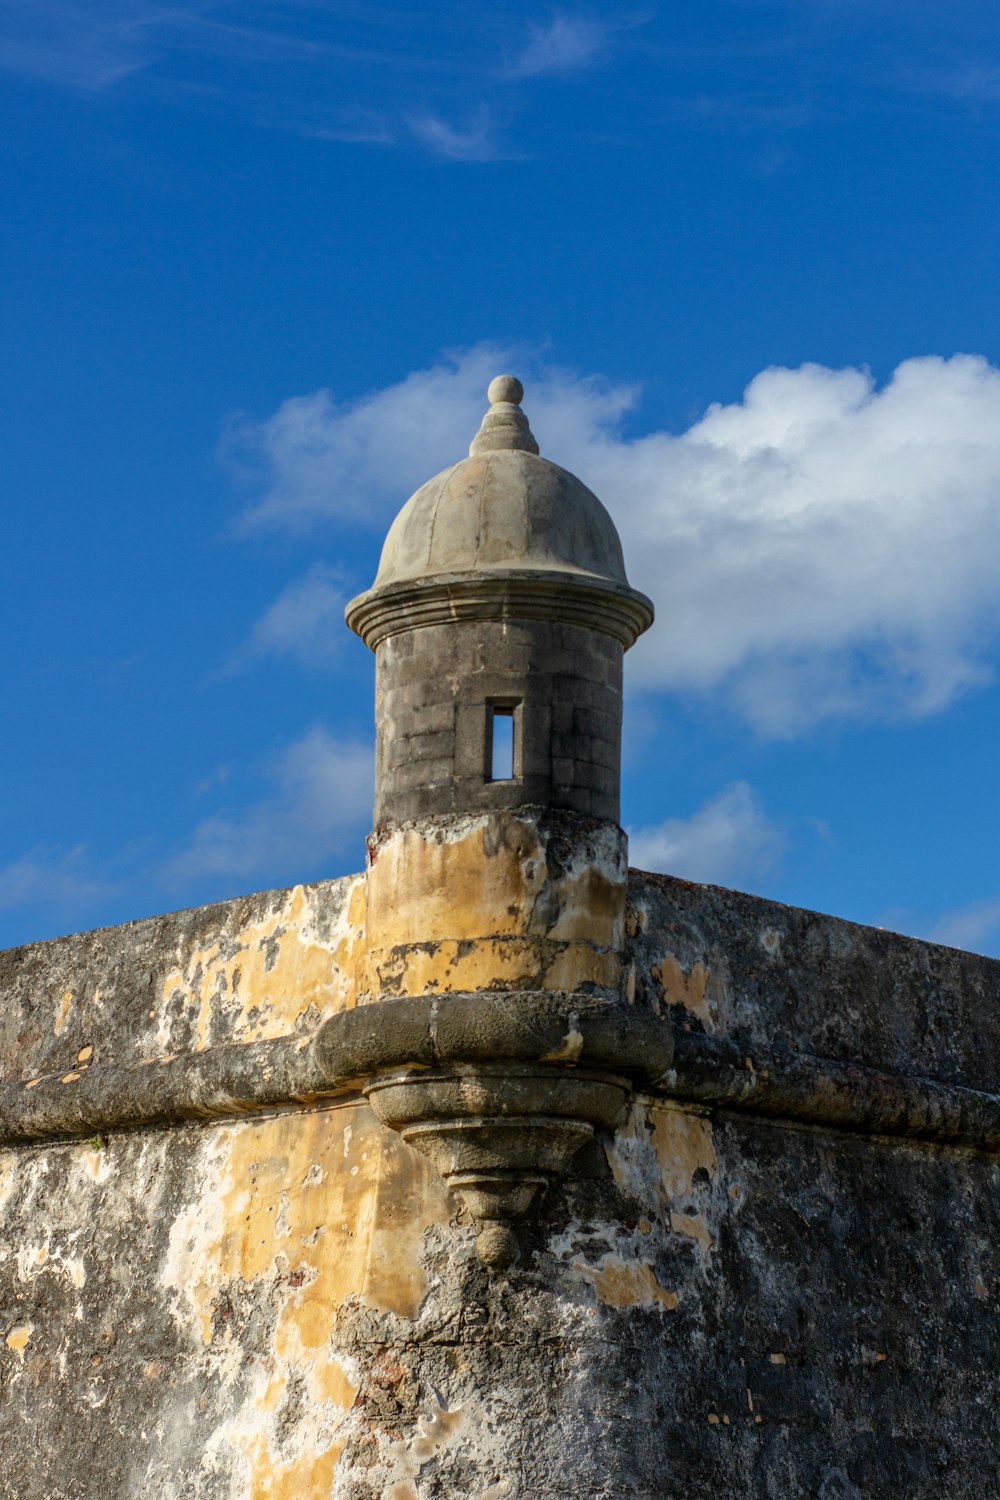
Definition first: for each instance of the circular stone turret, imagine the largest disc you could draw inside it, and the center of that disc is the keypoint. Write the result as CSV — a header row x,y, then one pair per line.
x,y
499,615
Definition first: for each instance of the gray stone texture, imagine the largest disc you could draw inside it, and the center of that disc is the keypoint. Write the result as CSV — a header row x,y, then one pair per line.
x,y
434,691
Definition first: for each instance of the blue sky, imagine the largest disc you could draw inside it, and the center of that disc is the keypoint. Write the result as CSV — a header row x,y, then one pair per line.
x,y
257,265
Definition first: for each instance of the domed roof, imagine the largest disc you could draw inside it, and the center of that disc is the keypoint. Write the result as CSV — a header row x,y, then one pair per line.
x,y
503,534
502,508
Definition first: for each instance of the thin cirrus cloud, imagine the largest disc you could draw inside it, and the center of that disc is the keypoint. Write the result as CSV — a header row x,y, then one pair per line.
x,y
824,548
729,840
310,817
79,46
315,807
64,880
477,140
975,928
304,624
93,44
567,44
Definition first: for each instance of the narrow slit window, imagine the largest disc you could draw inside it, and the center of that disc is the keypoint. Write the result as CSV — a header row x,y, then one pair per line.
x,y
501,743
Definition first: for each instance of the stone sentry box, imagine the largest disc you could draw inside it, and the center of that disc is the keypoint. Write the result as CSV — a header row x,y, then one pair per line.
x,y
501,588
498,1170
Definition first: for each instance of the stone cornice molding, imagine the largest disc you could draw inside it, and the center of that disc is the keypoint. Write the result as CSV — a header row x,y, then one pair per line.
x,y
526,594
713,1073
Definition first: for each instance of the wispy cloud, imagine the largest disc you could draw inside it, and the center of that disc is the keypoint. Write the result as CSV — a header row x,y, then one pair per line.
x,y
305,623
477,140
823,548
357,127
308,821
65,880
975,927
317,803
94,44
729,840
567,44
88,46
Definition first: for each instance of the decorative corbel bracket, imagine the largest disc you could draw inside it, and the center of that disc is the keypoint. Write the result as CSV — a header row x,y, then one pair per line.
x,y
499,1090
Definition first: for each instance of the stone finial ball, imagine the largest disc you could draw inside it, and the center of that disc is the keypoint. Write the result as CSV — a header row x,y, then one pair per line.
x,y
505,388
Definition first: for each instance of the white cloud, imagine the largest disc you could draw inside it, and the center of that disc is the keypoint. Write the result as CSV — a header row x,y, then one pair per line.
x,y
319,804
317,459
975,927
729,840
823,548
63,880
565,44
305,623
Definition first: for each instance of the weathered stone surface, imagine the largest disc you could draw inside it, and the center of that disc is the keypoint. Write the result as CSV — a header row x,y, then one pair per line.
x,y
267,965
706,1304
774,977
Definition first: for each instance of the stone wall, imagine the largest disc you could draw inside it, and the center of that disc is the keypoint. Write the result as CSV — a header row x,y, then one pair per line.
x,y
779,1277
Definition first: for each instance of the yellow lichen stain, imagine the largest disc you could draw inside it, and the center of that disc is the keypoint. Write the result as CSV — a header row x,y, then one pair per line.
x,y
6,1177
683,1145
693,1226
655,1155
271,973
17,1339
501,963
307,1211
62,1012
307,1158
569,1049
306,1476
697,990
621,1283
480,906
491,878
578,965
